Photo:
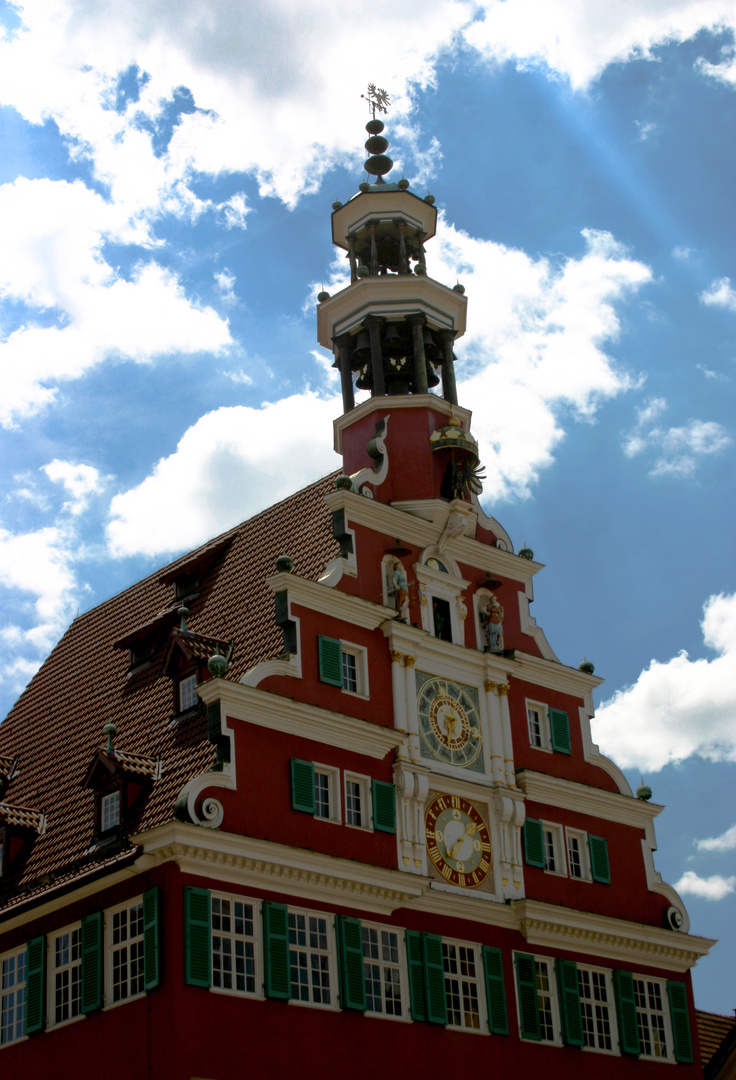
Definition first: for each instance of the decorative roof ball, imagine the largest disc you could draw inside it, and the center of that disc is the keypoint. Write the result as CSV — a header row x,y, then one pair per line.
x,y
377,144
336,204
644,793
343,482
458,288
284,564
526,553
362,271
322,296
403,184
420,269
429,199
364,186
374,127
586,667
217,664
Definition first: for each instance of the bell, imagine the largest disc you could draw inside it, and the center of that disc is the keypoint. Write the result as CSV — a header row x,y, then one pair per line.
x,y
364,380
393,344
362,351
432,376
431,349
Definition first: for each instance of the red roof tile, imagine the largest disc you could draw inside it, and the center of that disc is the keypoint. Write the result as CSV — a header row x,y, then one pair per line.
x,y
55,727
713,1028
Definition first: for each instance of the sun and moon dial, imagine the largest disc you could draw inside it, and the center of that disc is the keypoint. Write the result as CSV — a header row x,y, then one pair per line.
x,y
449,722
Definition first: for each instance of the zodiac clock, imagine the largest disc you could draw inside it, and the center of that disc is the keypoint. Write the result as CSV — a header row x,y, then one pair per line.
x,y
449,722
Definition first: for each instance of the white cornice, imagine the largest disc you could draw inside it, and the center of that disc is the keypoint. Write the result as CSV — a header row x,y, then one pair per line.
x,y
554,676
617,939
472,907
392,404
66,898
279,713
340,605
382,518
444,657
262,864
608,805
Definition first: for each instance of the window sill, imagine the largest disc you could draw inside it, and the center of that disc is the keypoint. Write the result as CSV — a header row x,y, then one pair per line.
x,y
359,828
65,1023
313,1005
124,1001
327,820
255,996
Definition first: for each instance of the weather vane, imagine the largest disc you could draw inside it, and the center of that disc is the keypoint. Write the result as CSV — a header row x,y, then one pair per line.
x,y
377,99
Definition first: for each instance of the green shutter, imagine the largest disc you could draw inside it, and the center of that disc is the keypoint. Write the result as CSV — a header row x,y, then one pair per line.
x,y
276,950
330,661
352,982
91,989
434,978
150,937
498,1020
417,996
628,1028
35,984
599,865
533,843
302,786
559,725
572,1021
677,993
526,985
196,936
384,806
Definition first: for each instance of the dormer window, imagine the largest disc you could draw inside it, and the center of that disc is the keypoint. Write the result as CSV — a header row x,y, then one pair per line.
x,y
187,693
184,586
121,782
110,811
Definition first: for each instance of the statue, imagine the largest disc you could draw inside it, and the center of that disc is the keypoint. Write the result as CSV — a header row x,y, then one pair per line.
x,y
491,620
398,587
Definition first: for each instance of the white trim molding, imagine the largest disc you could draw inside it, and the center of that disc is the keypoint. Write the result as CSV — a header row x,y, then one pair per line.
x,y
317,596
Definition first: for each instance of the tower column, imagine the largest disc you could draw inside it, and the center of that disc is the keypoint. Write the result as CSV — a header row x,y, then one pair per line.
x,y
449,389
373,325
346,375
420,360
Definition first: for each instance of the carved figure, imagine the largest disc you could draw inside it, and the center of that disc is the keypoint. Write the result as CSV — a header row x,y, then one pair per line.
x,y
398,587
454,526
491,620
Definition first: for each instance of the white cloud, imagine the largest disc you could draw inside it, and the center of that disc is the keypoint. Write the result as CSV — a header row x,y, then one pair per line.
x,y
235,211
579,41
682,253
720,294
676,450
225,282
725,842
710,888
81,481
645,129
39,564
226,467
680,708
725,69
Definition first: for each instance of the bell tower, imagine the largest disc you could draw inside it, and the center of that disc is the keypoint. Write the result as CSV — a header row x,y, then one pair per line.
x,y
392,332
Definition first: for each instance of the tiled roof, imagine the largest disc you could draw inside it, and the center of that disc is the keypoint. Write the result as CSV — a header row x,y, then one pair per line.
x,y
8,765
21,816
199,646
55,727
713,1029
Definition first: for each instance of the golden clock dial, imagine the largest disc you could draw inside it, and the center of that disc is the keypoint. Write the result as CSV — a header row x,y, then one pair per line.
x,y
458,841
449,721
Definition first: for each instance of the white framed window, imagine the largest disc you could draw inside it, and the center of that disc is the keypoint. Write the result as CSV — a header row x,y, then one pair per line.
x,y
354,665
235,947
578,856
13,996
327,793
358,801
463,978
124,931
110,810
187,693
554,857
64,981
384,972
312,954
597,1009
537,719
652,1017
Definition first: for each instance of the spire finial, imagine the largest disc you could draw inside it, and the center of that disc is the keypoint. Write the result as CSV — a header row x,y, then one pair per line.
x,y
109,729
377,98
183,611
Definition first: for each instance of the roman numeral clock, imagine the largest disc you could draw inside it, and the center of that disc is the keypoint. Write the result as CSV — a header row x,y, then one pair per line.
x,y
457,835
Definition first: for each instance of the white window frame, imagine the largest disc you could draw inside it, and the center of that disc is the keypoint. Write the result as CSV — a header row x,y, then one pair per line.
x,y
228,933
60,976
366,802
545,736
452,952
187,686
552,836
450,586
596,1009
581,837
648,1012
111,799
111,947
551,993
391,972
327,957
360,656
334,802
10,993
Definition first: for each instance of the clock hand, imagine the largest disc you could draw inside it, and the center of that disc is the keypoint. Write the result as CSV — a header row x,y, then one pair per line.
x,y
469,832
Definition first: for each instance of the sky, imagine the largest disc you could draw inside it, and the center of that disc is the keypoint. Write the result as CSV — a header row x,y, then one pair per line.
x,y
166,179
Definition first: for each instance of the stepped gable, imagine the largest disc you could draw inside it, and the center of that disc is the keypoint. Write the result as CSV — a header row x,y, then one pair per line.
x,y
55,727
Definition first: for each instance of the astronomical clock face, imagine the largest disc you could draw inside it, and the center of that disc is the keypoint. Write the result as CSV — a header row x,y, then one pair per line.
x,y
458,841
449,722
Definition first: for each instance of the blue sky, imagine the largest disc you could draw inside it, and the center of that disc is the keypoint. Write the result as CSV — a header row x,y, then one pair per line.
x,y
166,179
